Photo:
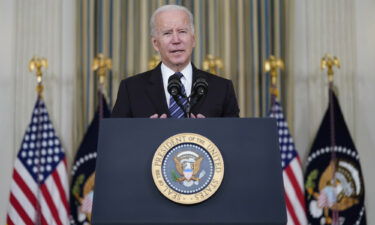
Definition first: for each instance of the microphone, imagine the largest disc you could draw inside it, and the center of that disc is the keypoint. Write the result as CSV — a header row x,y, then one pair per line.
x,y
174,86
200,89
175,90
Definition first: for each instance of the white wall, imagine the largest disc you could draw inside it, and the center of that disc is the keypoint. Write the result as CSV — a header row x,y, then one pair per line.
x,y
42,28
7,98
365,101
346,29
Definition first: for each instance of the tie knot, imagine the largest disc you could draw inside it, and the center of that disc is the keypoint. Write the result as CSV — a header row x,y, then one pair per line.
x,y
179,75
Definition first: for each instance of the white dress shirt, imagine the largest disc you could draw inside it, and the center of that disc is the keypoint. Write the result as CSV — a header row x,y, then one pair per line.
x,y
186,80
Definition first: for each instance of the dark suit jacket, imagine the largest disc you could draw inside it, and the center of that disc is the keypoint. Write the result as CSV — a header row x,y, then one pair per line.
x,y
143,95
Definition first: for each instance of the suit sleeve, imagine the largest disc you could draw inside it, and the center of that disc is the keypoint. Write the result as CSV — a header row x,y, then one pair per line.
x,y
122,105
231,106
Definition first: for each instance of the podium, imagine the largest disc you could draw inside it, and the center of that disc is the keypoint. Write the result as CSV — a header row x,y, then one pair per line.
x,y
251,191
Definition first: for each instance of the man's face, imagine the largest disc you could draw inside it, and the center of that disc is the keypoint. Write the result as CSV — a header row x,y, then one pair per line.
x,y
173,38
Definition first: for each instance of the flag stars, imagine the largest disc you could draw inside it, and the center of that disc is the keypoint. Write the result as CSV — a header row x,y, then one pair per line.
x,y
29,162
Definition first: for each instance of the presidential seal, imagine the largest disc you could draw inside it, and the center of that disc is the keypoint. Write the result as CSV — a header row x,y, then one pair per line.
x,y
187,168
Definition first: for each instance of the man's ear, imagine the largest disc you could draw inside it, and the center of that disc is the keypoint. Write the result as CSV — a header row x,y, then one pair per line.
x,y
155,44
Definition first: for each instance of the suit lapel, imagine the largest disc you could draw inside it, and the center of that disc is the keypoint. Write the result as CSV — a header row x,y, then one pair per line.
x,y
156,92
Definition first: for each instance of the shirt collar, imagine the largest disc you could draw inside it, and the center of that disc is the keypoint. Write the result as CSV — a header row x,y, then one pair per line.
x,y
167,72
186,80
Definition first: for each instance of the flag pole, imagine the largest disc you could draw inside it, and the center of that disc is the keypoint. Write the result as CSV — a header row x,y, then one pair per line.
x,y
272,65
101,64
329,62
37,64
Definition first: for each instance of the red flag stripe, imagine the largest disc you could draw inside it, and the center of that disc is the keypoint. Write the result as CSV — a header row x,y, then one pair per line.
x,y
43,220
18,193
293,180
9,221
60,187
50,204
21,212
24,187
291,211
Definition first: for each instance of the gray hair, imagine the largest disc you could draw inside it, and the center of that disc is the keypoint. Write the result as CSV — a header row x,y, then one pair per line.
x,y
170,8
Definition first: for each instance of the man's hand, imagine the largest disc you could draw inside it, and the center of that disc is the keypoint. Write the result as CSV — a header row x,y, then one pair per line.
x,y
164,116
156,116
198,116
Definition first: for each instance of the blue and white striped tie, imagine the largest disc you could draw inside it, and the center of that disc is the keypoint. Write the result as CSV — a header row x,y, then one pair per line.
x,y
174,109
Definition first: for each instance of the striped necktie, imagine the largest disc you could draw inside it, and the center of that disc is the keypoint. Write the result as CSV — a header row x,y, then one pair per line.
x,y
174,109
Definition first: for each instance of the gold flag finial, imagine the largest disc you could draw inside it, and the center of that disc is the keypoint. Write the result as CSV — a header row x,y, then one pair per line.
x,y
154,61
272,64
212,64
38,64
101,64
329,62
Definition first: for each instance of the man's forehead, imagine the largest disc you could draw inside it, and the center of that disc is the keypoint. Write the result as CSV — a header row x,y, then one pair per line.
x,y
172,17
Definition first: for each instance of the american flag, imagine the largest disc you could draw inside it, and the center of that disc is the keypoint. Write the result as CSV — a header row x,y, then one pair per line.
x,y
292,170
39,187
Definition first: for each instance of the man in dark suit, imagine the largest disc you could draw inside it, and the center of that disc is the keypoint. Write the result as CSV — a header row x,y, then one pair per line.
x,y
146,95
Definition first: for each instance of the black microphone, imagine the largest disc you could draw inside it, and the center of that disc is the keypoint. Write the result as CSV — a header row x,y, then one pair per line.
x,y
174,86
200,89
175,90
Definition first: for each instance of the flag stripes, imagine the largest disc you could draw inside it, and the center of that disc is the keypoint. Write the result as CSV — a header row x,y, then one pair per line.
x,y
292,170
39,187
